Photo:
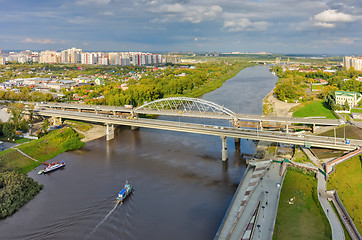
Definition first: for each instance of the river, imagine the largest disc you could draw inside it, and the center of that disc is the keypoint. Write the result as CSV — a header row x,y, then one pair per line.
x,y
182,188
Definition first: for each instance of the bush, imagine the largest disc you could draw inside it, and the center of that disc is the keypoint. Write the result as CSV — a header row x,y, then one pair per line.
x,y
15,190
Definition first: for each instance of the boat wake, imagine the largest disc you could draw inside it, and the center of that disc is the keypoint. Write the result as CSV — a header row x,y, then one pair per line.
x,y
104,219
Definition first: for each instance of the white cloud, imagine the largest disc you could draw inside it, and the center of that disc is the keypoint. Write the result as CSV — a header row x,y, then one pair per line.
x,y
346,41
87,2
39,41
108,13
193,14
325,25
79,20
243,24
330,17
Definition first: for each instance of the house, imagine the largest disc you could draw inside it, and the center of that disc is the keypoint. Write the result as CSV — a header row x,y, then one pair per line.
x,y
99,81
67,83
55,86
352,98
321,81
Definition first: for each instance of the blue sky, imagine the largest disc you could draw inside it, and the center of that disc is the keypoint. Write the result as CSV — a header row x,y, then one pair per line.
x,y
277,26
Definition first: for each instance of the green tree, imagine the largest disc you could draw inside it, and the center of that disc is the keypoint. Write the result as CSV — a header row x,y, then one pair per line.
x,y
45,125
8,130
346,105
17,114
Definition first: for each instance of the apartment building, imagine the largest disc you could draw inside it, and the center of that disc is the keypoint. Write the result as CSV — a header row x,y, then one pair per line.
x,y
355,62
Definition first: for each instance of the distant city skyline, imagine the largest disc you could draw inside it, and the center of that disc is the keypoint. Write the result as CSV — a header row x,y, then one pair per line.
x,y
279,26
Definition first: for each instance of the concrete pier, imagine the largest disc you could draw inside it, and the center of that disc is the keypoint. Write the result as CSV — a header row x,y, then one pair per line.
x,y
134,128
224,150
110,132
57,121
237,144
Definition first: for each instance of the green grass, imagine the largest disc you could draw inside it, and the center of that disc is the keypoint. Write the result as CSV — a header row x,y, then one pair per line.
x,y
356,110
314,109
81,126
305,218
42,149
211,85
317,87
299,156
13,160
271,149
347,179
52,144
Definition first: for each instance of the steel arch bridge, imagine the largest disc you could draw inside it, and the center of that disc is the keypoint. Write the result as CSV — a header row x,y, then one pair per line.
x,y
199,107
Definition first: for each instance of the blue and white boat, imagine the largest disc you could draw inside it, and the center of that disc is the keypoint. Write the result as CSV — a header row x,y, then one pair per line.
x,y
53,166
123,194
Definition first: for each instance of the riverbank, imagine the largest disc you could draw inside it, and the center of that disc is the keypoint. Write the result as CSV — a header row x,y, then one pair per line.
x,y
276,108
87,131
16,188
216,83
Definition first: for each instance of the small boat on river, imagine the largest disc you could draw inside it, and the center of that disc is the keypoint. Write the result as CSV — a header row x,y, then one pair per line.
x,y
52,166
123,194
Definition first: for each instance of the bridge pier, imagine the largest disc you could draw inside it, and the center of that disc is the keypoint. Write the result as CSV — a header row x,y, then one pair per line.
x,y
261,125
224,150
57,121
134,128
237,144
110,132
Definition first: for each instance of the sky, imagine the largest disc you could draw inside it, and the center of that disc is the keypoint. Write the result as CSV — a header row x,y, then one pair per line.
x,y
276,26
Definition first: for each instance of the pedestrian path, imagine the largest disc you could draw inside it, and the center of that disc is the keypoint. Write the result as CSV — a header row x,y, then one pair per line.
x,y
337,229
345,157
344,216
27,155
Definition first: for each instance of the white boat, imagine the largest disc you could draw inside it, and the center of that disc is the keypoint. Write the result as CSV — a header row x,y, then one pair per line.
x,y
127,189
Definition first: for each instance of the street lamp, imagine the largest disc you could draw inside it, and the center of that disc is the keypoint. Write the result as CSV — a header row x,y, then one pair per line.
x,y
258,229
263,207
261,181
266,196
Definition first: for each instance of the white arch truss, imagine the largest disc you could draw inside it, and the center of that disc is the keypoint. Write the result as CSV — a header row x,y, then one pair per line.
x,y
186,104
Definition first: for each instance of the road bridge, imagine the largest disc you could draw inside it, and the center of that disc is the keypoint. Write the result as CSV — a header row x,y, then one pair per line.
x,y
198,108
223,132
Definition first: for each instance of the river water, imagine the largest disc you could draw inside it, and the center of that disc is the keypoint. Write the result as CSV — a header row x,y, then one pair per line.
x,y
182,188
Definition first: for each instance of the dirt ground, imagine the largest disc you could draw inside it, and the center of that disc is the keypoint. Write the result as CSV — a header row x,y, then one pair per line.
x,y
280,109
97,131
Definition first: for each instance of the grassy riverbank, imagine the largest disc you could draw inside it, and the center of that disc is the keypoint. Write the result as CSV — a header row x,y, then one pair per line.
x,y
313,109
16,188
213,84
347,179
52,144
300,215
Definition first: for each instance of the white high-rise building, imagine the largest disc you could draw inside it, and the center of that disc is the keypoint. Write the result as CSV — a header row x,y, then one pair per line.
x,y
355,62
50,57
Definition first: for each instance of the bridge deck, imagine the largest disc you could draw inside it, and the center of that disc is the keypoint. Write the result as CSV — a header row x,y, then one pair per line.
x,y
315,141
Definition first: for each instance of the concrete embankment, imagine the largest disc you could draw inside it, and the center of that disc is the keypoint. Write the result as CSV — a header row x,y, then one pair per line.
x,y
254,204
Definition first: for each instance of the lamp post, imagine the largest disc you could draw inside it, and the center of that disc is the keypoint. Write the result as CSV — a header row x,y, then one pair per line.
x,y
263,207
258,230
266,196
261,181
